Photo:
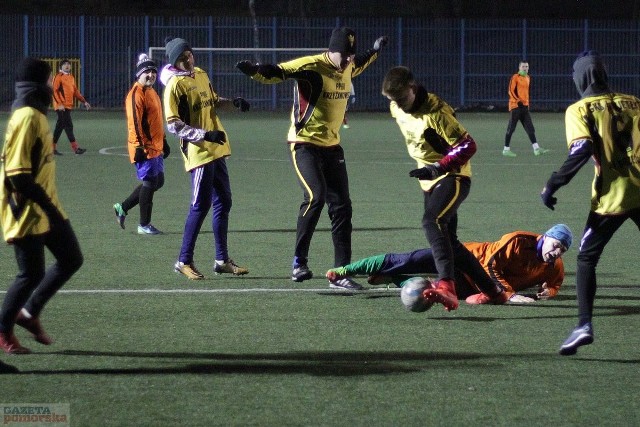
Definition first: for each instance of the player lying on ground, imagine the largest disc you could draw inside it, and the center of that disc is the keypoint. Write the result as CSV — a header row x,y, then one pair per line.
x,y
518,261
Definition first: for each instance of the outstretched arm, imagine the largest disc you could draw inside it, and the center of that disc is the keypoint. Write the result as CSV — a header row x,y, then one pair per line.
x,y
263,73
579,154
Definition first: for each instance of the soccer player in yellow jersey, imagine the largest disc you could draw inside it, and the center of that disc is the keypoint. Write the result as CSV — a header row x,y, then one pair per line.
x,y
603,125
322,90
190,105
442,148
31,214
146,144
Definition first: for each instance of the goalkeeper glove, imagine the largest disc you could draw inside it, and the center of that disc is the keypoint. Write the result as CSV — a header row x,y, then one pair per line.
x,y
216,136
428,172
548,199
166,150
380,42
140,155
241,104
247,67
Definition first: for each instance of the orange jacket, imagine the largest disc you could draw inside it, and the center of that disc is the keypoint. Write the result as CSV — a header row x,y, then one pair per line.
x,y
65,91
513,261
519,90
145,124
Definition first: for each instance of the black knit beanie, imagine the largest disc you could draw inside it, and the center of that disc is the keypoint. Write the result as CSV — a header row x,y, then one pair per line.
x,y
174,48
144,64
33,70
343,40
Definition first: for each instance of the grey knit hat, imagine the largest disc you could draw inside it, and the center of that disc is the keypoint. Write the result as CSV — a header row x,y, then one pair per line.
x,y
174,48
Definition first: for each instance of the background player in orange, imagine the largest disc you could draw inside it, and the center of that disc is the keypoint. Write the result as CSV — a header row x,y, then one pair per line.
x,y
147,144
519,110
65,92
518,261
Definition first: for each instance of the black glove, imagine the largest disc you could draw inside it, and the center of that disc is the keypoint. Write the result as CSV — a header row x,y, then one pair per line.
x,y
380,42
548,199
247,67
428,172
140,155
521,105
241,104
216,136
166,149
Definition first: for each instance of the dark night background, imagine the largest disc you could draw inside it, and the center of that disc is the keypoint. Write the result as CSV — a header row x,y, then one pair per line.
x,y
602,9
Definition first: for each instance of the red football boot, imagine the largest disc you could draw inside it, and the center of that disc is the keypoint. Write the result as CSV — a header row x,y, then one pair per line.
x,y
32,324
444,292
481,298
10,344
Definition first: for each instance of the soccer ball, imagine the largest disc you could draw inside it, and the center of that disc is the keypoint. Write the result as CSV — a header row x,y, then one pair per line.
x,y
411,294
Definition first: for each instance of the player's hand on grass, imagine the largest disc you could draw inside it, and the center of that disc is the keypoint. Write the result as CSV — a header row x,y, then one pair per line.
x,y
544,293
241,104
140,156
216,136
428,172
380,42
247,67
547,198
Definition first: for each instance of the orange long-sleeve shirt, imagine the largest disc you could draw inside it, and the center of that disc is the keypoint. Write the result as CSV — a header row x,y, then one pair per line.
x,y
65,91
513,261
518,90
145,124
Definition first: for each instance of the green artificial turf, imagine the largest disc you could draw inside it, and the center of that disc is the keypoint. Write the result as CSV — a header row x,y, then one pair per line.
x,y
138,345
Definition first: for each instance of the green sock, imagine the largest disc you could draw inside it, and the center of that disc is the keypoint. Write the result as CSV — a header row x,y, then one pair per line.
x,y
368,266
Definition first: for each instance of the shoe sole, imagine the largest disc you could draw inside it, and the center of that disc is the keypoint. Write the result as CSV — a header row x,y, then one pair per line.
x,y
119,218
572,348
39,336
235,273
433,296
20,350
188,276
332,286
302,278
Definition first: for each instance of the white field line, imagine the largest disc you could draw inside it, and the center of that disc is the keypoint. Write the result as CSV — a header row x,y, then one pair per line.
x,y
119,151
216,291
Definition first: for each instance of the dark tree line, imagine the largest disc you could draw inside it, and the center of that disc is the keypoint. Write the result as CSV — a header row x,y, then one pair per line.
x,y
601,9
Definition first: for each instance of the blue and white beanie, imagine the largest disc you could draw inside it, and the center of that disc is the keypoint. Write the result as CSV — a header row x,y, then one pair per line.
x,y
562,233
